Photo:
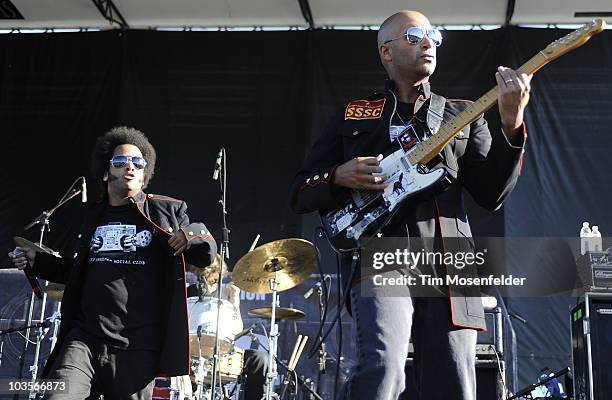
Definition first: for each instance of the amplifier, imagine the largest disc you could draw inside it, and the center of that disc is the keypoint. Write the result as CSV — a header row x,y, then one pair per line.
x,y
488,343
591,322
492,340
595,271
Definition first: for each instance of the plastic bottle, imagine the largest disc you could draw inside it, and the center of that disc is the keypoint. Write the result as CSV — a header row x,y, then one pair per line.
x,y
596,241
585,234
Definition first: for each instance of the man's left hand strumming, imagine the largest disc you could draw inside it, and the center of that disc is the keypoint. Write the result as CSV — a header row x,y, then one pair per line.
x,y
513,95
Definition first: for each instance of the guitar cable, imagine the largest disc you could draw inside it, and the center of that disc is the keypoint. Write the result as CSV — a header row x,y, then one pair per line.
x,y
319,233
339,338
341,304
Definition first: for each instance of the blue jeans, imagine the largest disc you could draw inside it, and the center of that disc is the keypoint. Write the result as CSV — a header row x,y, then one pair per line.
x,y
444,358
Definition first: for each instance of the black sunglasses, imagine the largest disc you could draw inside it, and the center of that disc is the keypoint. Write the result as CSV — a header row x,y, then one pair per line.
x,y
120,161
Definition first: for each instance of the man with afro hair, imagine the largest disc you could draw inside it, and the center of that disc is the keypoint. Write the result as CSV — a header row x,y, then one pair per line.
x,y
124,310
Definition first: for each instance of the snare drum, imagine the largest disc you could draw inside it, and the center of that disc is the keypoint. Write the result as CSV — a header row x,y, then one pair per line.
x,y
203,324
228,369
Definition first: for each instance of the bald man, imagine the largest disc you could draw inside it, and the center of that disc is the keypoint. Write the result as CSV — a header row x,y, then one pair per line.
x,y
487,164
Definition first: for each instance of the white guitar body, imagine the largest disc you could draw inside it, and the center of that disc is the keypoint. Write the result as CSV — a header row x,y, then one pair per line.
x,y
365,213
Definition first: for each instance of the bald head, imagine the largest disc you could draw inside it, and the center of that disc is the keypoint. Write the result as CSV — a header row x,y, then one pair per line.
x,y
395,25
411,63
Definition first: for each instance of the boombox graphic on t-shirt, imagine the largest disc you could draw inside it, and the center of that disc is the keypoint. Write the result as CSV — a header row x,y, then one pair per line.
x,y
116,236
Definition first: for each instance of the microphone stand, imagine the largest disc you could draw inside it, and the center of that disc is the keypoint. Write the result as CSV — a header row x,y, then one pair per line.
x,y
43,222
322,352
223,254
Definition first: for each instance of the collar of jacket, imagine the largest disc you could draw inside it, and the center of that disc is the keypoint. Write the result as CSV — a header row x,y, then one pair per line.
x,y
140,199
136,199
424,89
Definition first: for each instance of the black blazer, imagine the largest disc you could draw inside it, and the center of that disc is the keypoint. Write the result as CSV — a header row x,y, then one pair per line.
x,y
486,165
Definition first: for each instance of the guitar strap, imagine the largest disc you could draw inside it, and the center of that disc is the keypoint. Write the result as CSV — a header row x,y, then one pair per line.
x,y
430,116
435,113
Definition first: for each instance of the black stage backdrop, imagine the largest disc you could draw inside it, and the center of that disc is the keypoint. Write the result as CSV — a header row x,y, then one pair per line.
x,y
264,96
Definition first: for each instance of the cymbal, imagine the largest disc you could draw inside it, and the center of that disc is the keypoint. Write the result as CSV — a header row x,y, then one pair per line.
x,y
281,313
26,244
288,261
55,291
211,270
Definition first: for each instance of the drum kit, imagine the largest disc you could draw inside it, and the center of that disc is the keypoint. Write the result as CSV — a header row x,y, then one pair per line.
x,y
268,269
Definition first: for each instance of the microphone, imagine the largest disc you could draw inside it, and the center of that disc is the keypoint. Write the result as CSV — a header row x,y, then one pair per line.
x,y
83,190
312,289
29,273
218,164
245,332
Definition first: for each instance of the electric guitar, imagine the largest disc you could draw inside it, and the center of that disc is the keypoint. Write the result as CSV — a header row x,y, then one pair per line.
x,y
367,212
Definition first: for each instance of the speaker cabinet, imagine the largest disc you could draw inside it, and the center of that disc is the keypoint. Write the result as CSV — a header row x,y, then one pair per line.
x,y
591,322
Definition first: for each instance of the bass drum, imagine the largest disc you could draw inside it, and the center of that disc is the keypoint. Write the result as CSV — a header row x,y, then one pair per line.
x,y
203,324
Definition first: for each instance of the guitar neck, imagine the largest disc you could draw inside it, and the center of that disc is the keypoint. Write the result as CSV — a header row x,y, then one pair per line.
x,y
428,149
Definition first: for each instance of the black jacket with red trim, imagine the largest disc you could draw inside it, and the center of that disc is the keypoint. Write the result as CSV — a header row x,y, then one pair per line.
x,y
486,164
165,215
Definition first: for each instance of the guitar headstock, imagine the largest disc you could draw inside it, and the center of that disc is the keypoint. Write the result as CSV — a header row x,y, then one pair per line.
x,y
574,39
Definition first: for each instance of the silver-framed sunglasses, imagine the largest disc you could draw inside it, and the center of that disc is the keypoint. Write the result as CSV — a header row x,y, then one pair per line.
x,y
120,161
415,35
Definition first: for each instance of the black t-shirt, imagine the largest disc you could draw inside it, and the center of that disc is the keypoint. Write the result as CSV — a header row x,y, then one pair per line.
x,y
122,294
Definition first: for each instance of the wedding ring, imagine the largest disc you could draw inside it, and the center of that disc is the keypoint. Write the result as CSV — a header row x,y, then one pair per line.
x,y
508,81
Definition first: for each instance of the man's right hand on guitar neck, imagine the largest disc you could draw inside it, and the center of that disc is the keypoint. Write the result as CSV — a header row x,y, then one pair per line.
x,y
361,173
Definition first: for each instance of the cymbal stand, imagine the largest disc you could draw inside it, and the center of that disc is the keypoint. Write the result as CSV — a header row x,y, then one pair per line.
x,y
272,367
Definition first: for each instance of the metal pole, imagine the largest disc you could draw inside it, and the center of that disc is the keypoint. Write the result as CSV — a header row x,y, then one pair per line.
x,y
223,254
39,336
272,368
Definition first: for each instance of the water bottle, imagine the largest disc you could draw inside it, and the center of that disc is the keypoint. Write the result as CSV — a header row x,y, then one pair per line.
x,y
585,234
596,239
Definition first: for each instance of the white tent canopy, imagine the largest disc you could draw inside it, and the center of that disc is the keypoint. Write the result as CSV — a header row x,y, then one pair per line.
x,y
281,13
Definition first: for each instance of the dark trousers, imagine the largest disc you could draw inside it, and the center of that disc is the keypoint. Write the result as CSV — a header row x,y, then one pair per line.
x,y
444,358
92,368
254,373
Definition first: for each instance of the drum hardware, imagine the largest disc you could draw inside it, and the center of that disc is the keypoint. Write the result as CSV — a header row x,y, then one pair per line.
x,y
39,248
306,383
55,291
294,260
43,221
272,268
220,171
281,313
203,325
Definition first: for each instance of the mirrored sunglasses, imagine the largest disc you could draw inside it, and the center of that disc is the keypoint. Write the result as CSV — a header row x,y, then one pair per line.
x,y
120,161
415,35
